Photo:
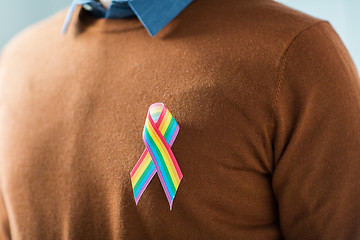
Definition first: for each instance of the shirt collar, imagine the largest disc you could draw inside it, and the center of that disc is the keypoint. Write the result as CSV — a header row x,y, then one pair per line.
x,y
153,14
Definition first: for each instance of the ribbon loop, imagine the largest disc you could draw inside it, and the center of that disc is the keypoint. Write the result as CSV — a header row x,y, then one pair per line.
x,y
160,131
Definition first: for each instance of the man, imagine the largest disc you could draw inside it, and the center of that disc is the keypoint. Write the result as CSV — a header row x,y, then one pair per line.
x,y
268,104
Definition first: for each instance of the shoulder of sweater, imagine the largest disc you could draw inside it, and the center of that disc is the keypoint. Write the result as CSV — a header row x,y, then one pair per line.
x,y
35,35
265,21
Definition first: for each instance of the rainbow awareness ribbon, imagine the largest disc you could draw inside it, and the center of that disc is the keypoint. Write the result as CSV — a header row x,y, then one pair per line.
x,y
159,134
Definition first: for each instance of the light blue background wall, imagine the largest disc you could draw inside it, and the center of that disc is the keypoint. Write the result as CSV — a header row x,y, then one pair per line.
x,y
344,15
18,14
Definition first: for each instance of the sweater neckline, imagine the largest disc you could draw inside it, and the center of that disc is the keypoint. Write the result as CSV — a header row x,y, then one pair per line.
x,y
86,22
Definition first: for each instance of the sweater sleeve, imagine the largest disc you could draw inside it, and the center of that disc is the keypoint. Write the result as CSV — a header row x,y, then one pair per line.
x,y
316,178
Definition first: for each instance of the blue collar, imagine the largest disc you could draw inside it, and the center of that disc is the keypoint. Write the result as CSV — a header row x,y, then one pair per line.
x,y
153,14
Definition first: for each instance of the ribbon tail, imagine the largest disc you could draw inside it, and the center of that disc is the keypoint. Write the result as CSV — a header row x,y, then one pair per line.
x,y
164,182
141,175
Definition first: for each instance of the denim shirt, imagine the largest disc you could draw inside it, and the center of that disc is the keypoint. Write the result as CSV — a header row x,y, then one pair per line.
x,y
153,14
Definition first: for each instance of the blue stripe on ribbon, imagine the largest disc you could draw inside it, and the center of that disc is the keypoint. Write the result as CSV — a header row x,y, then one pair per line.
x,y
172,130
151,167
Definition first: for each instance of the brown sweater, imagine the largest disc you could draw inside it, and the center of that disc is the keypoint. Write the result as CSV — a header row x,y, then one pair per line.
x,y
268,104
